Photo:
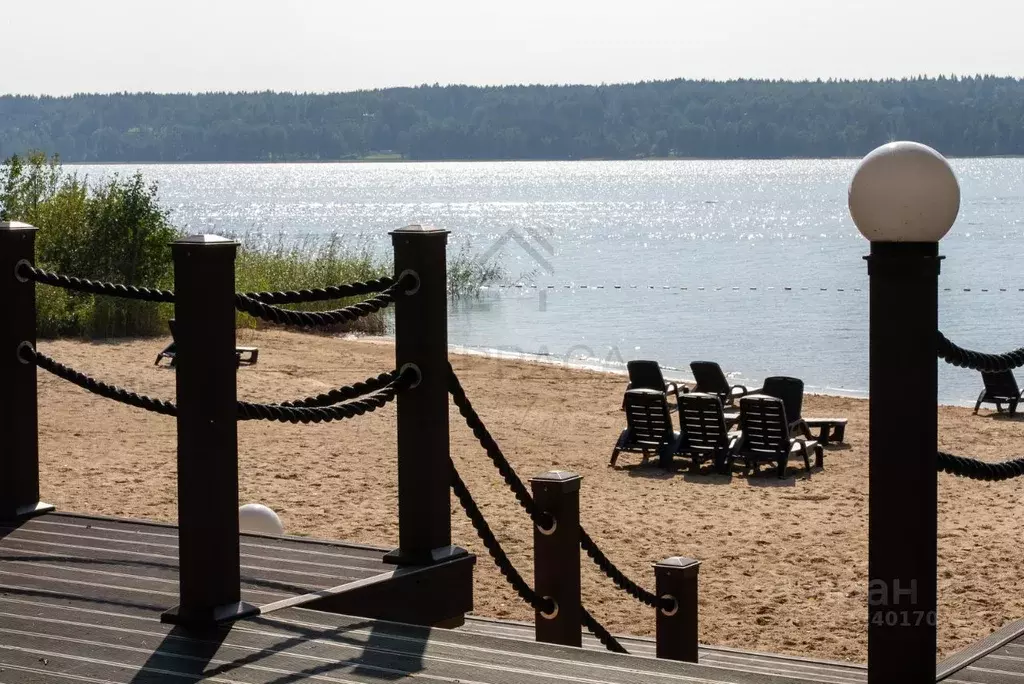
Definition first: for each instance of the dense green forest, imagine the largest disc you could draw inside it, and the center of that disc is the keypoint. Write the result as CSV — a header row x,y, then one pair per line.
x,y
761,119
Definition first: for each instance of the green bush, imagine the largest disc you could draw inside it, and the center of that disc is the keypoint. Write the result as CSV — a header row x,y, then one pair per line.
x,y
114,231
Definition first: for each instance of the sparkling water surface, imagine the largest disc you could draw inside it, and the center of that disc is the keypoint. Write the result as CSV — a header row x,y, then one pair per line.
x,y
628,237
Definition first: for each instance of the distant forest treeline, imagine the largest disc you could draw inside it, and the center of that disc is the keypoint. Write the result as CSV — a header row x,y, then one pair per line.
x,y
762,119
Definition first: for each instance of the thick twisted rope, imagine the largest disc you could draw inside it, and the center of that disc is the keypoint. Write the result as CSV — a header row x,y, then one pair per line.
x,y
501,559
336,396
324,414
395,383
276,314
619,578
323,294
26,270
979,470
602,634
512,575
540,518
979,361
30,355
476,424
313,319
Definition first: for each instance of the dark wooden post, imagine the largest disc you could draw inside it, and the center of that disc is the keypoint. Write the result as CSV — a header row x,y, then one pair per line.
x,y
904,197
676,578
902,476
19,436
556,557
421,339
208,546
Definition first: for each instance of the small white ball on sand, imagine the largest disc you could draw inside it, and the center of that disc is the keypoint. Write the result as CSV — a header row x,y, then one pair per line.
x,y
256,518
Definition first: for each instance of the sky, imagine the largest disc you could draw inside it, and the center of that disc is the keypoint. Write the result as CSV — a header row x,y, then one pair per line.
x,y
60,47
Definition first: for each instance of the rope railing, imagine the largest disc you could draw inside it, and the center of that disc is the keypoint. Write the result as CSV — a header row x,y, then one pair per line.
x,y
344,393
544,604
987,363
314,319
375,393
29,355
26,271
323,294
540,518
975,469
493,546
324,414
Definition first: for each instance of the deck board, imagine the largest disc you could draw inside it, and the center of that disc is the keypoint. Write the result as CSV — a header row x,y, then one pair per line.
x,y
998,659
795,667
80,601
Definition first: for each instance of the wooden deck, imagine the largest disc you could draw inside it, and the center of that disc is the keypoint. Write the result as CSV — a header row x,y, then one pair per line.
x,y
81,598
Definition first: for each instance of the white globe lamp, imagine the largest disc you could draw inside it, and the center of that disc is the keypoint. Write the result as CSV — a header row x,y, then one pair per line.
x,y
904,192
256,518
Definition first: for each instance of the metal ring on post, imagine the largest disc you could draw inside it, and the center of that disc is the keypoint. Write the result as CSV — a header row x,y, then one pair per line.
x,y
675,605
554,613
416,369
409,272
17,276
548,531
21,358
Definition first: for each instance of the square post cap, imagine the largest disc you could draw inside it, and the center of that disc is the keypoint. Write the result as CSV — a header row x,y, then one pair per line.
x,y
205,239
562,480
689,566
420,229
12,226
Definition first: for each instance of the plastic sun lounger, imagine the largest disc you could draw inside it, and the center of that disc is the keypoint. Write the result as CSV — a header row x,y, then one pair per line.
x,y
711,380
647,375
648,426
705,435
766,436
1000,388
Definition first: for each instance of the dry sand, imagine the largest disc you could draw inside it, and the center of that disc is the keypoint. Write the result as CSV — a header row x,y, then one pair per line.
x,y
784,563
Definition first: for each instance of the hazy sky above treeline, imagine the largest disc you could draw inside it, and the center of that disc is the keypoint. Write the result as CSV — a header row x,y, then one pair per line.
x,y
65,46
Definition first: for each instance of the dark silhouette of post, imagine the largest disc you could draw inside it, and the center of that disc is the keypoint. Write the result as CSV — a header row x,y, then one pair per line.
x,y
19,436
903,198
421,339
556,557
676,625
208,546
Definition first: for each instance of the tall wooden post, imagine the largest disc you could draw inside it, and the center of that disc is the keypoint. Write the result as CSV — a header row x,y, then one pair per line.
x,y
19,434
556,557
676,627
904,198
421,339
208,546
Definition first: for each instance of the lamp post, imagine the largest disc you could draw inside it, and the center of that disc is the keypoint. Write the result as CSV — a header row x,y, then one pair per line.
x,y
903,198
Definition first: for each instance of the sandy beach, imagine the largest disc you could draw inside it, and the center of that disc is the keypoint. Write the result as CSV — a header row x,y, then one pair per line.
x,y
784,563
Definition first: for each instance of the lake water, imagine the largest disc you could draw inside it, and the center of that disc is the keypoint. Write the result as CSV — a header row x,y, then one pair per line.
x,y
754,264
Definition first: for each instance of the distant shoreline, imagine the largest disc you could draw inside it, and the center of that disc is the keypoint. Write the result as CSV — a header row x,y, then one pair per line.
x,y
492,161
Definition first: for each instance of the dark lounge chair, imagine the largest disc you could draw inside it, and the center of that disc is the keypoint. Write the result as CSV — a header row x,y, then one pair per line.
x,y
1000,388
243,355
791,392
647,375
766,435
711,380
704,433
648,426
